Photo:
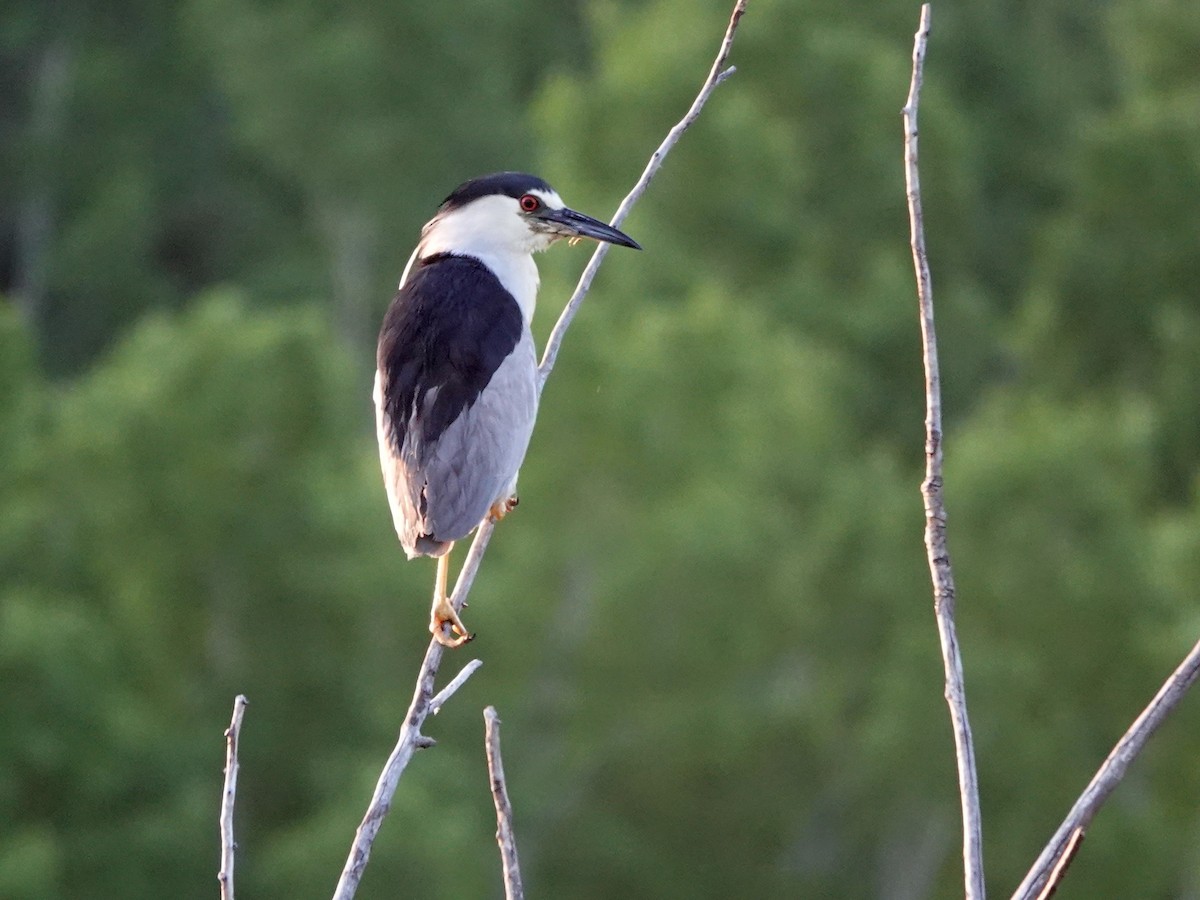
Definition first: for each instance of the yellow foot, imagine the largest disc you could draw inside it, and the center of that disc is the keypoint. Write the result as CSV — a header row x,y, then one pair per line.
x,y
502,508
443,614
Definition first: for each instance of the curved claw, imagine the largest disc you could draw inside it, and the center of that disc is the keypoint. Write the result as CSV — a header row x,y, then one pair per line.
x,y
440,635
443,614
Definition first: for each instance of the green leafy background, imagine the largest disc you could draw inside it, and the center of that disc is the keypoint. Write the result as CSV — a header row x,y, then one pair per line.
x,y
708,627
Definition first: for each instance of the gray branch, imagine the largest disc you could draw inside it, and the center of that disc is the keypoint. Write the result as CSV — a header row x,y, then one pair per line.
x,y
717,74
931,491
1047,871
505,838
1051,866
228,796
436,704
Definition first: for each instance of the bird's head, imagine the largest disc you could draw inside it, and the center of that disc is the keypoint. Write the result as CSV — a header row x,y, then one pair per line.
x,y
509,213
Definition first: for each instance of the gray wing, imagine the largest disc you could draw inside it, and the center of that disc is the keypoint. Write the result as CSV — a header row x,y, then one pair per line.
x,y
440,493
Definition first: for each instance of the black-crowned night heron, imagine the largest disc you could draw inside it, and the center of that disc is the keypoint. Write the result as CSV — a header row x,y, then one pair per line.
x,y
456,387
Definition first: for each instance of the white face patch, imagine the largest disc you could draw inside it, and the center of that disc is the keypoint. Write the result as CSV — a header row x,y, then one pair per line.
x,y
493,229
550,198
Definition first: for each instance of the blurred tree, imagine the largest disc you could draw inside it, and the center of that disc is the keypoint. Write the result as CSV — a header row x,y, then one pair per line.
x,y
198,530
1114,300
110,187
366,110
287,152
790,199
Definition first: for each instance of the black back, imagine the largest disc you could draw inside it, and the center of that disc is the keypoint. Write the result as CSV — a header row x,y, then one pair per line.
x,y
450,327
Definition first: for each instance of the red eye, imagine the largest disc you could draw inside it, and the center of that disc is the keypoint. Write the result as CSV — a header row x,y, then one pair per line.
x,y
530,203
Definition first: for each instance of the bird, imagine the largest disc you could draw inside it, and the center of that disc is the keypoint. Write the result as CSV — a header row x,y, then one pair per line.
x,y
456,382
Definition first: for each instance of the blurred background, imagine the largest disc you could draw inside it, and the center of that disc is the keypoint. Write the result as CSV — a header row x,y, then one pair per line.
x,y
708,628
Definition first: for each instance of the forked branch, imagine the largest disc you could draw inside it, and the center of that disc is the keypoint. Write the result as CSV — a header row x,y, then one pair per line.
x,y
410,739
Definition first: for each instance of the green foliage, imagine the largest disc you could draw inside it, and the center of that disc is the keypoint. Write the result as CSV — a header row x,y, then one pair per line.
x,y
707,627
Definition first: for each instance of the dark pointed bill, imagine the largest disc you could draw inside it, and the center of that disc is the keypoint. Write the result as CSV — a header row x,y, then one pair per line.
x,y
576,224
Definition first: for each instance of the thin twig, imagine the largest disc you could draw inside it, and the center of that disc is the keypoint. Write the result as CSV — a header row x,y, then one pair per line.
x,y
436,704
410,737
1111,772
717,74
228,796
931,491
505,838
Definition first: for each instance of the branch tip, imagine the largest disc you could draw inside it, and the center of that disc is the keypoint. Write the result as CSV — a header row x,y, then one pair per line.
x,y
505,837
715,76
229,796
436,704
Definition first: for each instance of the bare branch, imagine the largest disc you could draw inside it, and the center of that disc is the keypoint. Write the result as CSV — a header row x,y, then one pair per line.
x,y
436,704
1060,868
931,491
1108,777
717,74
410,738
513,890
228,796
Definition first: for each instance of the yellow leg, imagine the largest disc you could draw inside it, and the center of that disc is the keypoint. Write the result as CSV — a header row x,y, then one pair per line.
x,y
443,612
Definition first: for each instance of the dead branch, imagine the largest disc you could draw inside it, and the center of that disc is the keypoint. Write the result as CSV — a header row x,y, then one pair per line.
x,y
513,890
931,491
1047,870
717,74
228,796
1060,867
436,704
